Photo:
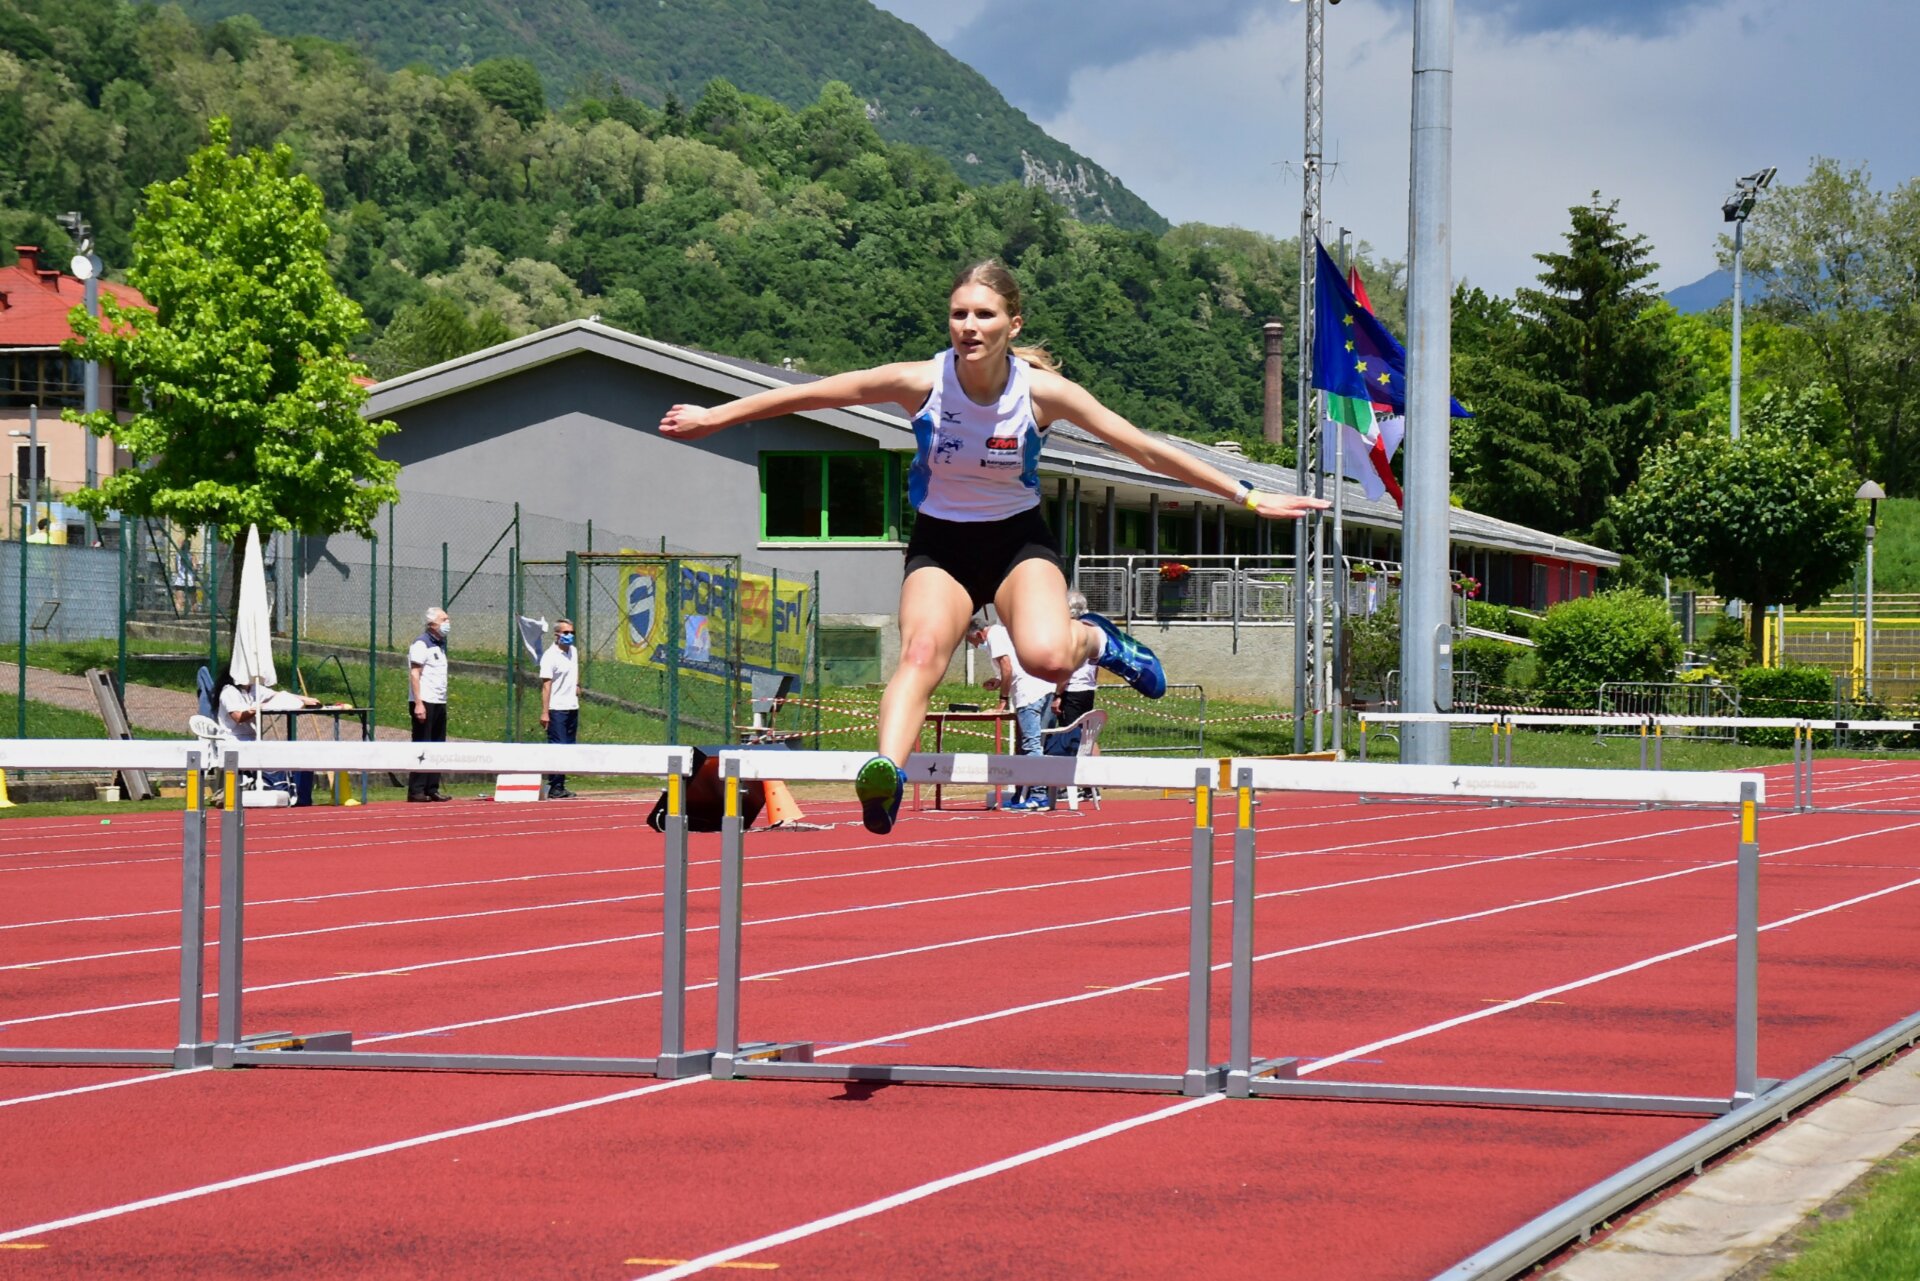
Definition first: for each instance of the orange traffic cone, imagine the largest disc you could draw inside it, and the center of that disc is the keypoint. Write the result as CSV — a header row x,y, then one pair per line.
x,y
781,807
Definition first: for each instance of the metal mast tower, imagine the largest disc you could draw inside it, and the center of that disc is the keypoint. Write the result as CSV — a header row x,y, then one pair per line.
x,y
1309,551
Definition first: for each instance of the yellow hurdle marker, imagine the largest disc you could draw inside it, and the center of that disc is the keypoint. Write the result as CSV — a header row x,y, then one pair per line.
x,y
6,802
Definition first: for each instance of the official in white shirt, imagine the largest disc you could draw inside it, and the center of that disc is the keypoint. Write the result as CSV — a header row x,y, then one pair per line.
x,y
560,698
427,683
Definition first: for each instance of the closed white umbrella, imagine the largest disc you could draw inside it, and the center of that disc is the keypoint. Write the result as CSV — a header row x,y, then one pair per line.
x,y
252,663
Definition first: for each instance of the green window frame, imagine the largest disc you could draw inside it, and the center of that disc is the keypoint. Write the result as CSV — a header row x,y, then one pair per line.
x,y
825,496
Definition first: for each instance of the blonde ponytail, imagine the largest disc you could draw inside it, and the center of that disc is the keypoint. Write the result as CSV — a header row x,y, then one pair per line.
x,y
1038,357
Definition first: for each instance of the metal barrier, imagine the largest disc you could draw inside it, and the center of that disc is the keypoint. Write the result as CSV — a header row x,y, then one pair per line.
x,y
1249,1077
1715,702
735,1058
233,1045
192,1049
1654,732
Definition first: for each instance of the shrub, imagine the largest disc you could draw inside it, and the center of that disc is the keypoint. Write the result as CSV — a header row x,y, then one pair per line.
x,y
1614,636
1491,659
1794,690
1373,650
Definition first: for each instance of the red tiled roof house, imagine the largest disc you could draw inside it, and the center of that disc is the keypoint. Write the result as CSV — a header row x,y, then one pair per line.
x,y
35,300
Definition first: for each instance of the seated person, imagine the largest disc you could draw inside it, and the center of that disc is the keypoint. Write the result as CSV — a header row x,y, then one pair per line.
x,y
238,707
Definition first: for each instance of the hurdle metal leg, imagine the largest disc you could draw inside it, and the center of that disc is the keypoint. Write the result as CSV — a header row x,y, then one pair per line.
x,y
1747,1084
194,1050
1201,1076
233,900
675,1060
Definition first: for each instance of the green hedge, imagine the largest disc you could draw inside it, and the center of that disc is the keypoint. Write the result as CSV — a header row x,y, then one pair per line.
x,y
1612,636
1794,690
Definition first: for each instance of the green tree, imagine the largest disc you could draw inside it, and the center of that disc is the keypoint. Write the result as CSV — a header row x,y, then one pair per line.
x,y
249,409
1575,383
513,85
1840,262
1769,518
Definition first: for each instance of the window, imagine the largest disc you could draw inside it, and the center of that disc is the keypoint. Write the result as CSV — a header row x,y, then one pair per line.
x,y
26,467
45,378
851,497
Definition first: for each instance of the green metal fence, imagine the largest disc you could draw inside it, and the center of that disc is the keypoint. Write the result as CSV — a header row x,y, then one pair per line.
x,y
673,646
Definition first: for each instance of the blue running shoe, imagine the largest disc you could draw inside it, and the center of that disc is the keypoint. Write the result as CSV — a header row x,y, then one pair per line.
x,y
879,785
1128,659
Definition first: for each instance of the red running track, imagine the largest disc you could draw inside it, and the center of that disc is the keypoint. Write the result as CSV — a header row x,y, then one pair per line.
x,y
1445,944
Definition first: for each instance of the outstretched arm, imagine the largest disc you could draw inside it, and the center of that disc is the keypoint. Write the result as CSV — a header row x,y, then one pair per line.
x,y
906,384
1057,397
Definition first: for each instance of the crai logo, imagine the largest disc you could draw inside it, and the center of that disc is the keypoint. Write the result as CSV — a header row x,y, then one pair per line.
x,y
640,608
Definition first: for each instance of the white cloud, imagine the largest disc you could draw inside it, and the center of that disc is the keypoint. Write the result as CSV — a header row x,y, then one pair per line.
x,y
1662,121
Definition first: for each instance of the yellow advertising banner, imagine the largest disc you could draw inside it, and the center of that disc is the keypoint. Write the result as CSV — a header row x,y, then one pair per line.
x,y
769,615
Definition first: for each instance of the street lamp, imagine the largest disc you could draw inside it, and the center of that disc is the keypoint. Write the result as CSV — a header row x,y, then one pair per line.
x,y
1870,494
87,266
1735,210
32,437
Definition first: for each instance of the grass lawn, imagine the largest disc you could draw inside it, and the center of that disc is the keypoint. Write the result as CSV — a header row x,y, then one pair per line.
x,y
1878,1241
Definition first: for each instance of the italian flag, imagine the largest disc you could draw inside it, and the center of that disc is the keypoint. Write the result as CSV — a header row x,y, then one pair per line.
x,y
1367,434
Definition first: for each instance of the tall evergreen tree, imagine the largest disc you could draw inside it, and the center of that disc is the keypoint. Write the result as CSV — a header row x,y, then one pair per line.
x,y
1574,384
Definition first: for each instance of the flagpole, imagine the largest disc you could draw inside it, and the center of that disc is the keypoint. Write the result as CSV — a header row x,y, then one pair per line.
x,y
1337,604
1307,532
1426,631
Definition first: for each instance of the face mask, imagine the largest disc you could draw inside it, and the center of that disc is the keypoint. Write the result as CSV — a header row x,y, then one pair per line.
x,y
442,630
566,640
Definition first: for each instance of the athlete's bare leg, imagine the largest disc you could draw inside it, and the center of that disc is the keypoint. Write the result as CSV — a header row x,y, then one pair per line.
x,y
934,613
1032,602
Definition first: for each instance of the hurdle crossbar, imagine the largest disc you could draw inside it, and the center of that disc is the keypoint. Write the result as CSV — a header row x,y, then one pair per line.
x,y
192,1049
795,1058
234,1046
1280,1077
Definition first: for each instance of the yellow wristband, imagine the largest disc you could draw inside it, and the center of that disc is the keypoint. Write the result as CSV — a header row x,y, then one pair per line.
x,y
1252,501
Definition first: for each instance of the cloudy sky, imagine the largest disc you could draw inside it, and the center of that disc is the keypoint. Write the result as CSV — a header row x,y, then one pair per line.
x,y
1196,105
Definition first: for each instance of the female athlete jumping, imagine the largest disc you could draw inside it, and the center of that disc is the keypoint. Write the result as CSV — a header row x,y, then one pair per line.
x,y
980,414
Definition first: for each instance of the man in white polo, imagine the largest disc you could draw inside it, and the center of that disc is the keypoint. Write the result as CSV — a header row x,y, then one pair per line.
x,y
560,698
427,681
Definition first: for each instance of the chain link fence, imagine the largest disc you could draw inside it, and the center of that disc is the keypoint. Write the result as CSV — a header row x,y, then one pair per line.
x,y
155,605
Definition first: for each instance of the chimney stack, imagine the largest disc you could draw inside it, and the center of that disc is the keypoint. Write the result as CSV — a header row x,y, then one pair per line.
x,y
29,256
1274,420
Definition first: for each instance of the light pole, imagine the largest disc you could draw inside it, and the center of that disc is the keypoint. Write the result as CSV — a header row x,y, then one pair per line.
x,y
87,266
1735,210
1871,494
32,436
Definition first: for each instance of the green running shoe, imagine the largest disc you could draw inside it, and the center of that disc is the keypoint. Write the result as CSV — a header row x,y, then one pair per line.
x,y
879,785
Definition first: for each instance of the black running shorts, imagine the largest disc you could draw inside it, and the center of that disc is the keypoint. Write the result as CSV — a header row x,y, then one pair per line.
x,y
980,554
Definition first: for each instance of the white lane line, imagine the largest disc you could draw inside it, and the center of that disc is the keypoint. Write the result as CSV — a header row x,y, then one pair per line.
x,y
582,1105
1546,993
644,936
342,1158
932,1188
143,1079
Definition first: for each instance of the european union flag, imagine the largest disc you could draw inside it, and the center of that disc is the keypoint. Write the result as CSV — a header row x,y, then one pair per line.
x,y
1353,354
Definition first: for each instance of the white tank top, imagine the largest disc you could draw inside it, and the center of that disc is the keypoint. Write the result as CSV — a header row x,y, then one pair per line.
x,y
976,462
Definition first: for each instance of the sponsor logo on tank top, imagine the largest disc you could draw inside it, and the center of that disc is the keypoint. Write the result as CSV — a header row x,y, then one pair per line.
x,y
1002,451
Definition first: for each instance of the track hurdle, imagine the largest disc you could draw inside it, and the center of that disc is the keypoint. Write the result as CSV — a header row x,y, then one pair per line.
x,y
733,1058
1803,800
1249,1077
192,1049
234,1047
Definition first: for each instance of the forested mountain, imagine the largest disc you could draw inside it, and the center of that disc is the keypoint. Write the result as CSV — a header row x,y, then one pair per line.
x,y
465,212
786,50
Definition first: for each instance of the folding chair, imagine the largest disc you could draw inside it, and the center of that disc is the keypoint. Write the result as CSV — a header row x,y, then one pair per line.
x,y
1089,726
